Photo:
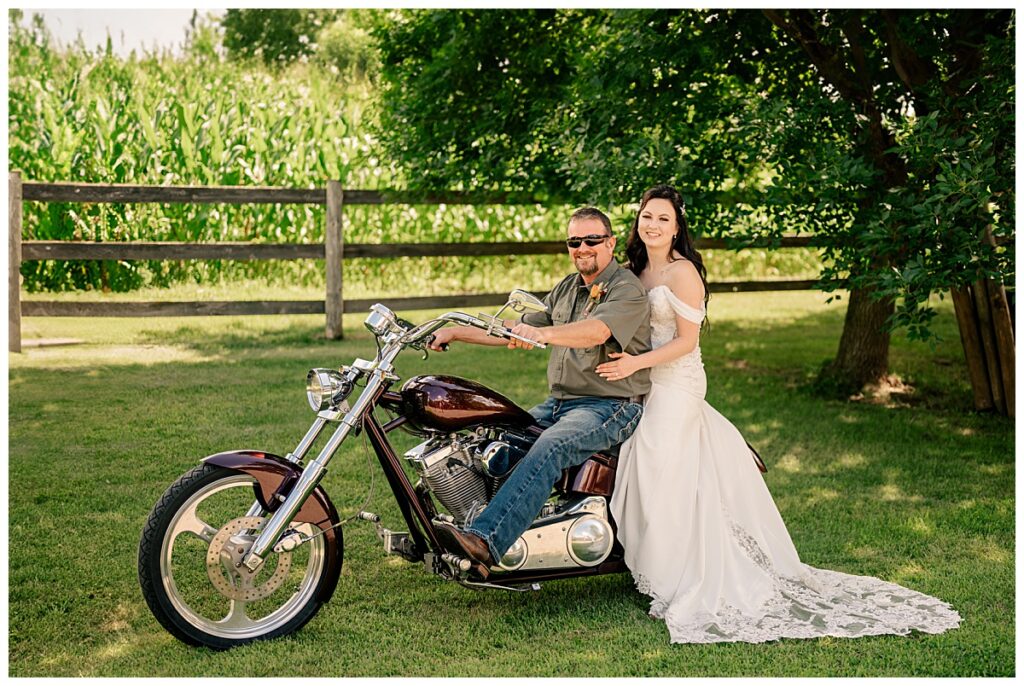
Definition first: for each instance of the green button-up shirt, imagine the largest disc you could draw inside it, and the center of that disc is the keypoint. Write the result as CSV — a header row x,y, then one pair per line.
x,y
625,310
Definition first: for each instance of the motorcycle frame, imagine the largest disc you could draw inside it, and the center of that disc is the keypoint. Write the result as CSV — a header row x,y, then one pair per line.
x,y
416,508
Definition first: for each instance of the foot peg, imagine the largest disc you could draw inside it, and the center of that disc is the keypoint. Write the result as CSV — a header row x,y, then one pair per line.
x,y
462,565
457,563
395,542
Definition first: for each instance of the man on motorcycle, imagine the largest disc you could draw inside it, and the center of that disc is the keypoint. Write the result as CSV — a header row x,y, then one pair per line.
x,y
602,309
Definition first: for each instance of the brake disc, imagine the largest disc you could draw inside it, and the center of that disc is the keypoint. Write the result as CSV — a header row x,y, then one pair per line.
x,y
224,562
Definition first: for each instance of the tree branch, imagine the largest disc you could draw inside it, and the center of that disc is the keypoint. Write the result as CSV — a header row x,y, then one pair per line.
x,y
801,29
853,29
855,88
913,71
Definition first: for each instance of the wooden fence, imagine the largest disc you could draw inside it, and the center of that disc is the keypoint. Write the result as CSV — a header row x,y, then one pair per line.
x,y
334,251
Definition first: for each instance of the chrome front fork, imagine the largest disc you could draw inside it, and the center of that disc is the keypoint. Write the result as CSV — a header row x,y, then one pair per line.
x,y
312,474
256,510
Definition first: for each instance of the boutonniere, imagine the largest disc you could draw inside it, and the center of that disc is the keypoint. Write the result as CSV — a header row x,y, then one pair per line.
x,y
597,291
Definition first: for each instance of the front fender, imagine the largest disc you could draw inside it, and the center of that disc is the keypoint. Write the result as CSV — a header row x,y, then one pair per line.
x,y
275,477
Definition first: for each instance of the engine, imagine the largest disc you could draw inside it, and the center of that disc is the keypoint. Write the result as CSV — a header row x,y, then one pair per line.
x,y
464,471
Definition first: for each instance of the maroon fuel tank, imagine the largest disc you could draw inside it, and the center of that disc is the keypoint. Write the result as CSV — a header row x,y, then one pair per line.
x,y
450,403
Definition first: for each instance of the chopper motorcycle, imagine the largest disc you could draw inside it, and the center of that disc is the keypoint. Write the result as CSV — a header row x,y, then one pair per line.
x,y
248,545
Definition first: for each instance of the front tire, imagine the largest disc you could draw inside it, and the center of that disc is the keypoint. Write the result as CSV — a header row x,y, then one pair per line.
x,y
200,598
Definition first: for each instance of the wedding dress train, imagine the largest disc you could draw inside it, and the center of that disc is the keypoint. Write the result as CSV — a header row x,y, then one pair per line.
x,y
703,537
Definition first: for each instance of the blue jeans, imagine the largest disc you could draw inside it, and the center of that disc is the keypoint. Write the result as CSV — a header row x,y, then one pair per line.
x,y
574,430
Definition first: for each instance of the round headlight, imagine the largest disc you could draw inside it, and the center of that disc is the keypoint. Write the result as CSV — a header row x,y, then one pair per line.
x,y
321,387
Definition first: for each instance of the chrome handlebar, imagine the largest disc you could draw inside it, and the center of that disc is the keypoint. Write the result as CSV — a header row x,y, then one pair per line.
x,y
422,332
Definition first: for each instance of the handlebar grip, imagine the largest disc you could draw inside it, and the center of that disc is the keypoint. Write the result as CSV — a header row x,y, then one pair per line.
x,y
509,334
430,341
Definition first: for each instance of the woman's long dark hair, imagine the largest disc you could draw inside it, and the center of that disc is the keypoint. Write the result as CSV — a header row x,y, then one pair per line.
x,y
636,251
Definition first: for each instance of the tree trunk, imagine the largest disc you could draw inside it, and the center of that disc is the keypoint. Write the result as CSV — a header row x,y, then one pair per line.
x,y
970,338
1003,333
988,343
863,356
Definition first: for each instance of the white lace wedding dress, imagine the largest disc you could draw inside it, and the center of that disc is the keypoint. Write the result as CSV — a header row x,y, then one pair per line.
x,y
703,537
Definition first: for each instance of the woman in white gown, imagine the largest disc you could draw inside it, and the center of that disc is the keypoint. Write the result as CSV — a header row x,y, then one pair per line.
x,y
701,533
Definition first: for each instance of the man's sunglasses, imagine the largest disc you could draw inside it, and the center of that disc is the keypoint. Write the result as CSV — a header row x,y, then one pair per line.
x,y
591,240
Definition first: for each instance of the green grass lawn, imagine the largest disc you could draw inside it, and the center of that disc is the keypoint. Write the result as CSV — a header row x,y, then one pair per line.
x,y
915,488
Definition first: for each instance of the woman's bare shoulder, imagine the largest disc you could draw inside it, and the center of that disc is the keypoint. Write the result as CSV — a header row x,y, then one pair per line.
x,y
685,282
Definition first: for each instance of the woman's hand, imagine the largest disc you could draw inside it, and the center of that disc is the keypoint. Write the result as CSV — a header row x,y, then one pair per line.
x,y
624,365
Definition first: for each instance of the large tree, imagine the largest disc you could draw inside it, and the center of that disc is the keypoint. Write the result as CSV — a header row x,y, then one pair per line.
x,y
887,135
932,95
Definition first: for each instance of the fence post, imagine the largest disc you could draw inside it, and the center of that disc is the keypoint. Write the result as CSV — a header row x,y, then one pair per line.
x,y
333,252
14,274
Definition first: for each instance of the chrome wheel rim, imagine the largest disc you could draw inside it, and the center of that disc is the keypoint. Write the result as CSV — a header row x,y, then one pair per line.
x,y
197,600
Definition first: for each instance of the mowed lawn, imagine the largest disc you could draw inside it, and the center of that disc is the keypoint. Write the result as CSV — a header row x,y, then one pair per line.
x,y
915,488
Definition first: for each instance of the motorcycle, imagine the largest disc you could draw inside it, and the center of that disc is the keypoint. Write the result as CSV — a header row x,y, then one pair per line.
x,y
248,545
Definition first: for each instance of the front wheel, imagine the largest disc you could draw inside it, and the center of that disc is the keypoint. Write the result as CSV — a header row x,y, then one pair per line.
x,y
188,564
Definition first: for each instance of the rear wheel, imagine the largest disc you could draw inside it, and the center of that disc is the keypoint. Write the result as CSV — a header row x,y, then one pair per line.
x,y
189,569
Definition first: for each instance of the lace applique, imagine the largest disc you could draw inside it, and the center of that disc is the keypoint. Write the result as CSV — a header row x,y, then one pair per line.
x,y
663,330
821,603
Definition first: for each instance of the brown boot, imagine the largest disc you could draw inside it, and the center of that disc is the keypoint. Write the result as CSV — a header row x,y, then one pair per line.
x,y
467,545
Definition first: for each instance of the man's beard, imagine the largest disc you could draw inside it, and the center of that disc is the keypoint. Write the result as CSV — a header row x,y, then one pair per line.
x,y
591,265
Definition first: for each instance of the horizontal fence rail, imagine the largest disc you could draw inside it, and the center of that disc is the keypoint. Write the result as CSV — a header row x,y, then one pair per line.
x,y
334,250
136,250
235,195
186,308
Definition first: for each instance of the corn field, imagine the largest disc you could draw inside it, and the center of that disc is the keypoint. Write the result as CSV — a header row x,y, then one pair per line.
x,y
197,119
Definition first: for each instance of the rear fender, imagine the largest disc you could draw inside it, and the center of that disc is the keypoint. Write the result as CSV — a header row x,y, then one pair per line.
x,y
275,477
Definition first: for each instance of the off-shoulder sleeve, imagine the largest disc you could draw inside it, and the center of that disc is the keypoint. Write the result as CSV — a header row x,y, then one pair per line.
x,y
687,312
